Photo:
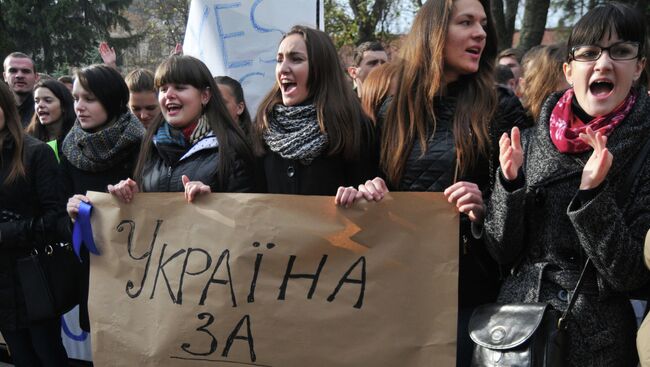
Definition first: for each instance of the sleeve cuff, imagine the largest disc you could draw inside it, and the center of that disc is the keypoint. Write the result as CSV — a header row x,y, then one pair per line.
x,y
584,196
515,185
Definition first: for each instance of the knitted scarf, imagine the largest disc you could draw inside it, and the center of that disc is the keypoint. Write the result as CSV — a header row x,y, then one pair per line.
x,y
101,150
565,127
294,133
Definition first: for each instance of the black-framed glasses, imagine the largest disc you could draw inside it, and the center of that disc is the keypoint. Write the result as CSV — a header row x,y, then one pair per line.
x,y
626,50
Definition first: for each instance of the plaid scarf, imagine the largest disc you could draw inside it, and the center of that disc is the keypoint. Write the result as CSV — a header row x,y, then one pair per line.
x,y
101,150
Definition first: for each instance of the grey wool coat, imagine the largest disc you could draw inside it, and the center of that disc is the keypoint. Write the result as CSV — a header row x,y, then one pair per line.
x,y
545,232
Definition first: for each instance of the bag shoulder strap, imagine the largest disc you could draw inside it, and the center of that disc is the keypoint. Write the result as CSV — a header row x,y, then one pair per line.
x,y
561,323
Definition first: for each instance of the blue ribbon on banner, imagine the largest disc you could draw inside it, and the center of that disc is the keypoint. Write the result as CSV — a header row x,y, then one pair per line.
x,y
82,233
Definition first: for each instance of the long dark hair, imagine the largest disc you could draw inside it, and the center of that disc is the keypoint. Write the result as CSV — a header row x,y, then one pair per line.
x,y
12,130
338,108
420,78
235,87
628,24
60,91
182,69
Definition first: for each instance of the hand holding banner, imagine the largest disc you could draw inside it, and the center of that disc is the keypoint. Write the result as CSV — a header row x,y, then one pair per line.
x,y
274,280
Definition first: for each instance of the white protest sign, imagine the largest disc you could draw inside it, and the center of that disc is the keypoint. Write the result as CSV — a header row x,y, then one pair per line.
x,y
240,38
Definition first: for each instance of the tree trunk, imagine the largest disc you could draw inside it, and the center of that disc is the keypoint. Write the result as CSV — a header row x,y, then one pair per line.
x,y
504,20
367,21
534,23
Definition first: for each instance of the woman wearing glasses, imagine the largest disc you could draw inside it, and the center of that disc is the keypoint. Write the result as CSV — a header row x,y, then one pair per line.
x,y
555,202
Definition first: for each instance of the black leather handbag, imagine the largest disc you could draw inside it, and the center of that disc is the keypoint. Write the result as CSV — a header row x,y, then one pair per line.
x,y
50,281
49,278
521,334
518,334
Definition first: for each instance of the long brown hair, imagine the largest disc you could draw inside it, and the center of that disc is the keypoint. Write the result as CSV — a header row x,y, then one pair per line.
x,y
183,69
421,79
338,108
67,119
542,76
377,87
12,130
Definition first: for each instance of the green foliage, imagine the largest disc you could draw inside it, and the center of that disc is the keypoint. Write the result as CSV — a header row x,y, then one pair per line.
x,y
161,23
351,22
339,25
58,32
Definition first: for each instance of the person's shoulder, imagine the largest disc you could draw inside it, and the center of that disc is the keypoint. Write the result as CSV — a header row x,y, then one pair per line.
x,y
510,113
35,146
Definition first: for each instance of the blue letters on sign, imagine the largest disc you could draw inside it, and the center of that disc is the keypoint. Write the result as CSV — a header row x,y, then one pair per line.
x,y
246,76
224,36
261,29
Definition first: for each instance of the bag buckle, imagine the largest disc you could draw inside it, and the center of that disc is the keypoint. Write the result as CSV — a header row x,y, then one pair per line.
x,y
49,250
561,323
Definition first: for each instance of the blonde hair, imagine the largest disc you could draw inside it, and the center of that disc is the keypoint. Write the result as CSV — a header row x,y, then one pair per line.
x,y
376,88
543,75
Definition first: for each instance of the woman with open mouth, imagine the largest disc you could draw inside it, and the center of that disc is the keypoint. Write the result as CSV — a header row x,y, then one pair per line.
x,y
196,148
567,191
437,133
54,113
311,133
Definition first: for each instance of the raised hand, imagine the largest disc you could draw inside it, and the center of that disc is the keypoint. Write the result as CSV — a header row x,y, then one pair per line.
x,y
600,161
511,156
177,50
108,54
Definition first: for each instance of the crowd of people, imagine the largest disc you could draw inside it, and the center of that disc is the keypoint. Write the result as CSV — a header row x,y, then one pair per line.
x,y
533,150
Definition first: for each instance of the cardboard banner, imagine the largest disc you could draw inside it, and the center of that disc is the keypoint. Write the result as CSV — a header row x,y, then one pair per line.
x,y
240,38
274,280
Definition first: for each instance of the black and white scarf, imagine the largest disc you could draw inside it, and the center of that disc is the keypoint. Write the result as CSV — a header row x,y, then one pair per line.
x,y
101,150
294,133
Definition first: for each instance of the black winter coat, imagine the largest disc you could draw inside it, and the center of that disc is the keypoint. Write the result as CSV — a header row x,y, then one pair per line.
x,y
546,228
77,181
199,163
325,174
36,200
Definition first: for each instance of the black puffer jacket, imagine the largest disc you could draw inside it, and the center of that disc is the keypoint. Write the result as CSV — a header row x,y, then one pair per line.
x,y
36,201
199,163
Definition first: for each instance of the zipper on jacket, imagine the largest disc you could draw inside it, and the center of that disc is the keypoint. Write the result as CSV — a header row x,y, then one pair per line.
x,y
169,177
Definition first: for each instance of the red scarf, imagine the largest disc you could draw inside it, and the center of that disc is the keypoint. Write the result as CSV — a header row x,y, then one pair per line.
x,y
565,127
